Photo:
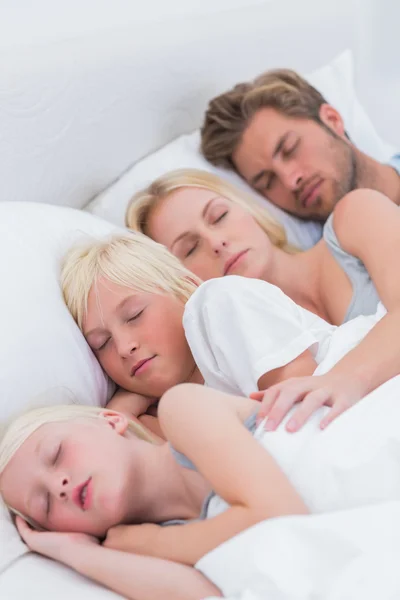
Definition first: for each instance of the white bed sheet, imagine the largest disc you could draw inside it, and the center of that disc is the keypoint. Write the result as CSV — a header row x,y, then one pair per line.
x,y
345,554
351,552
36,578
349,555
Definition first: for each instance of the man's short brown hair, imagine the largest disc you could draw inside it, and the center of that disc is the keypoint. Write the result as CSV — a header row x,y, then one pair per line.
x,y
228,115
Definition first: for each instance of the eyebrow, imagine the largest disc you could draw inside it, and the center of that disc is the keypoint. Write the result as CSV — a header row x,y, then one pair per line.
x,y
118,308
264,173
203,214
36,452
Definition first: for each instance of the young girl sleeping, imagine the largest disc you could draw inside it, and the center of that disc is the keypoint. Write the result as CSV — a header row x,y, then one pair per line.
x,y
86,470
135,303
129,297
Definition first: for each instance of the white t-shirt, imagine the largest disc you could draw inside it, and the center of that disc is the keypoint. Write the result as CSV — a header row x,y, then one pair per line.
x,y
238,329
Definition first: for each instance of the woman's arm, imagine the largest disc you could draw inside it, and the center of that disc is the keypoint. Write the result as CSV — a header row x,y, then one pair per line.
x,y
367,225
206,425
134,577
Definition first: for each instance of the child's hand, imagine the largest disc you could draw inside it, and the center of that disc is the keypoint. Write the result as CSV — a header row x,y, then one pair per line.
x,y
138,539
311,393
130,404
138,408
58,546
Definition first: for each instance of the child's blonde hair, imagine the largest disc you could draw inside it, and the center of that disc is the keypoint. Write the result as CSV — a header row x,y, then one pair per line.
x,y
22,427
131,260
144,202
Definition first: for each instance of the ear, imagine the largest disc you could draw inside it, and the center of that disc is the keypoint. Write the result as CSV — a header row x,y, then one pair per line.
x,y
332,119
116,420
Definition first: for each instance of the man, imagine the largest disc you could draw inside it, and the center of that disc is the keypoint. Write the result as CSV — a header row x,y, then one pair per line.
x,y
287,142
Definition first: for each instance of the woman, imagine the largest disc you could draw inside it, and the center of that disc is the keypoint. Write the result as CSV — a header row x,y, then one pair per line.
x,y
216,230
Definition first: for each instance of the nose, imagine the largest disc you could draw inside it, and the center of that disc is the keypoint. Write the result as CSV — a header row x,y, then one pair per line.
x,y
292,177
60,486
125,343
218,244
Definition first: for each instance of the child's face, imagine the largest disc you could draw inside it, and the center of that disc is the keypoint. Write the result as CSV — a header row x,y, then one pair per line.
x,y
138,338
76,475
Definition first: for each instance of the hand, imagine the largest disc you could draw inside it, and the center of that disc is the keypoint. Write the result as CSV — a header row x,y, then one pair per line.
x,y
131,404
59,546
138,539
339,392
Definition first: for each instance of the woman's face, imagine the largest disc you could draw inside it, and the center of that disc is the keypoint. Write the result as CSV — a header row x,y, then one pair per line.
x,y
138,338
78,475
211,235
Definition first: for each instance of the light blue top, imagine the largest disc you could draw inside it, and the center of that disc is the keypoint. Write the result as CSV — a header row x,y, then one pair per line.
x,y
365,297
395,162
251,424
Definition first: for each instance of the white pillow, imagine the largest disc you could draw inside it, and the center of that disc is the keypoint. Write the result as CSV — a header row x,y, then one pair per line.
x,y
335,82
41,346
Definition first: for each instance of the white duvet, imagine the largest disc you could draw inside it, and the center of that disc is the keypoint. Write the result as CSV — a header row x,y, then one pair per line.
x,y
352,551
347,554
348,474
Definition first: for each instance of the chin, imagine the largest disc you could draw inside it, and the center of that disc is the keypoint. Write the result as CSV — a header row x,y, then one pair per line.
x,y
253,273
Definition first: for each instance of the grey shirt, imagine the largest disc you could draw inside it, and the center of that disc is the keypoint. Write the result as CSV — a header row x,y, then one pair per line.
x,y
365,297
251,424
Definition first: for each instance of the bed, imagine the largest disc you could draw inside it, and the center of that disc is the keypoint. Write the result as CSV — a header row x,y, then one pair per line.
x,y
96,101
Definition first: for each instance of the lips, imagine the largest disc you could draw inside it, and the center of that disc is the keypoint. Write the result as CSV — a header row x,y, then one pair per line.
x,y
136,367
230,263
82,494
308,195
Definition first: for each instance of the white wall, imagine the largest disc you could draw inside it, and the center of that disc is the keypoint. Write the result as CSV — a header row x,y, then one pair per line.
x,y
377,49
375,25
40,21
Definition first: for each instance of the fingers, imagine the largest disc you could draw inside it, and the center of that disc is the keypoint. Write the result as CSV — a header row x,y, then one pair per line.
x,y
337,409
257,395
115,537
284,402
312,402
23,527
111,539
268,400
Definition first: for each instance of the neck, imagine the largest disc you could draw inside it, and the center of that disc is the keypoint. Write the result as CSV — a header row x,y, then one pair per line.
x,y
167,491
298,275
377,176
195,376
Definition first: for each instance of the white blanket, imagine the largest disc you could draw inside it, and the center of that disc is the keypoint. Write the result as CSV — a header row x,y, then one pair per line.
x,y
352,468
349,555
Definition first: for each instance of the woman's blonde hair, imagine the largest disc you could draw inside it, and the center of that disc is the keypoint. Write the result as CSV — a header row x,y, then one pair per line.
x,y
22,427
144,202
130,260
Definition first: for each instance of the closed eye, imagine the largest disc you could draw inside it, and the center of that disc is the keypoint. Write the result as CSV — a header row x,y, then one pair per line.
x,y
289,151
192,249
103,345
270,182
218,219
48,504
57,454
136,316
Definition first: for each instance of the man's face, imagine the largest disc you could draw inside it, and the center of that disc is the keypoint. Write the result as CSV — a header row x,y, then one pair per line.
x,y
297,163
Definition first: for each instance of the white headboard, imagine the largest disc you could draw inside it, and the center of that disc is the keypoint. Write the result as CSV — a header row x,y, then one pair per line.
x,y
76,111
